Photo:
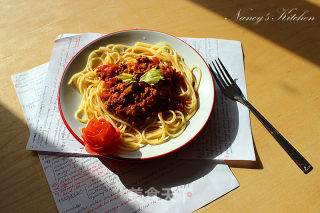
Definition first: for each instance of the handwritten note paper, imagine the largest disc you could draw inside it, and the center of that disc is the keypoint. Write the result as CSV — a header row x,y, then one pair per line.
x,y
226,136
91,184
30,92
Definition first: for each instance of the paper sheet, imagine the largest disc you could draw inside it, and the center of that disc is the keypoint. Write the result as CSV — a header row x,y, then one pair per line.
x,y
91,184
226,136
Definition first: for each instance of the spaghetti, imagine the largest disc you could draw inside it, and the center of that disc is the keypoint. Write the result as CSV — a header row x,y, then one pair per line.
x,y
146,91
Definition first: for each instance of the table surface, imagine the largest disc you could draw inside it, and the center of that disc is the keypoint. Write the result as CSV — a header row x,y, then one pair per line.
x,y
282,61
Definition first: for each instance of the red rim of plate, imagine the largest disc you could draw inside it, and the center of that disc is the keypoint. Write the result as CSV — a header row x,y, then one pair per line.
x,y
117,157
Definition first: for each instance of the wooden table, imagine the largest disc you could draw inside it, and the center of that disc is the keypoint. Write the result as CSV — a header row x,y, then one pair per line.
x,y
282,61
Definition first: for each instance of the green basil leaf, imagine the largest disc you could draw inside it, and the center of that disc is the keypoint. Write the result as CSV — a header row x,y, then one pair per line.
x,y
126,77
153,76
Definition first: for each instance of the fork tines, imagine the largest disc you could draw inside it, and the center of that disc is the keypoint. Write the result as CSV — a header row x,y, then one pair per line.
x,y
221,74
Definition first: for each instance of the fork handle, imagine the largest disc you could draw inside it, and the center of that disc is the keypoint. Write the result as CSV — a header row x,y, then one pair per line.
x,y
302,163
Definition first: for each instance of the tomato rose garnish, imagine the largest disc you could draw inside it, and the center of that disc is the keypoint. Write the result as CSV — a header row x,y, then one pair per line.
x,y
100,137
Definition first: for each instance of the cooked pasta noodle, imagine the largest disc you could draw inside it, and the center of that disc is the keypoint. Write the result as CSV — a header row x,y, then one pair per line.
x,y
167,124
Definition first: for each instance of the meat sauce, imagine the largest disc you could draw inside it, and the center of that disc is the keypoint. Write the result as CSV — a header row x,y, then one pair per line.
x,y
139,102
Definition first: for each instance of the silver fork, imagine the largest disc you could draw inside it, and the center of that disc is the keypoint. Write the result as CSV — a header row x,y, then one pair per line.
x,y
230,89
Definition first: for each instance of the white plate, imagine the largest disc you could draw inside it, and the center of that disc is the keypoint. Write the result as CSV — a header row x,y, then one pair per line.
x,y
69,98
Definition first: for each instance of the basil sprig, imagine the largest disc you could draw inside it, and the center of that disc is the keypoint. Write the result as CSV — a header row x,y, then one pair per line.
x,y
151,77
126,77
